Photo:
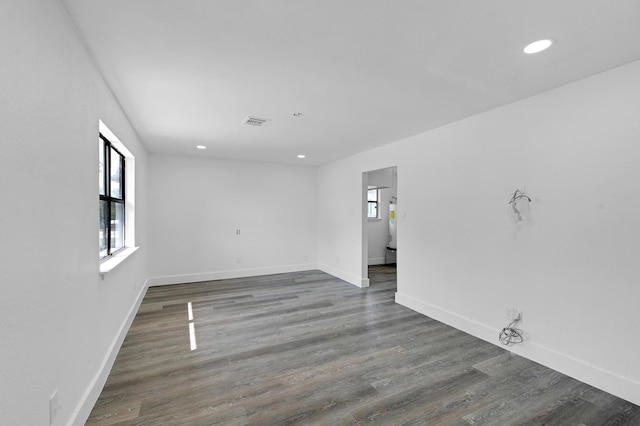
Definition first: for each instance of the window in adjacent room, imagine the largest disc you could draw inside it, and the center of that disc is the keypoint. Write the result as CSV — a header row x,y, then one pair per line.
x,y
112,198
372,198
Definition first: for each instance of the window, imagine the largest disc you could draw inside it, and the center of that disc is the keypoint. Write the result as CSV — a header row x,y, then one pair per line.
x,y
112,198
116,198
372,198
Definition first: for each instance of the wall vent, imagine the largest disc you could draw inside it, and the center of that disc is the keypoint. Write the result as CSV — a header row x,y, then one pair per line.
x,y
255,121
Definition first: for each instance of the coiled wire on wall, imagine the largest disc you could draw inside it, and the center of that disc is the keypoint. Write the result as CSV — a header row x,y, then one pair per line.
x,y
517,196
511,335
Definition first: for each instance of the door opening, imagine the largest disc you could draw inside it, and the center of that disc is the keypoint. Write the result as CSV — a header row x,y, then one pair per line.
x,y
379,224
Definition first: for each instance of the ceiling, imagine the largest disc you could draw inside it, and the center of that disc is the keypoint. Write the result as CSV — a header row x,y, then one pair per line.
x,y
364,73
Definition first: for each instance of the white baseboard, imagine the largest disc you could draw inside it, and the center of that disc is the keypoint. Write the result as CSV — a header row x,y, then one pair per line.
x,y
345,276
89,398
608,381
225,275
377,261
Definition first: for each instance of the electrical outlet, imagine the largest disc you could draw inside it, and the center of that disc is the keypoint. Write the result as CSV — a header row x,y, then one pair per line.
x,y
512,314
53,406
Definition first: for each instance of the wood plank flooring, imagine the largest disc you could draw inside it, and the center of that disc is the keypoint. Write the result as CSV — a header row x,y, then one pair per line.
x,y
307,348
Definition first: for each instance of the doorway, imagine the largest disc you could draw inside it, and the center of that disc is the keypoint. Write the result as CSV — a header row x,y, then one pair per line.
x,y
379,225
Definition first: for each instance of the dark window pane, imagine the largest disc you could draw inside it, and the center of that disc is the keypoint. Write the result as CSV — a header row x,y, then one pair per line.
x,y
117,226
101,168
104,222
116,174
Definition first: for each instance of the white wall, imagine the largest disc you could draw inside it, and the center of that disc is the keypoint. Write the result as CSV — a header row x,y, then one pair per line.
x,y
571,266
199,203
58,319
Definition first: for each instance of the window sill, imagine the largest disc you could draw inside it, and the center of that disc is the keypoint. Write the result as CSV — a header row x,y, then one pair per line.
x,y
111,262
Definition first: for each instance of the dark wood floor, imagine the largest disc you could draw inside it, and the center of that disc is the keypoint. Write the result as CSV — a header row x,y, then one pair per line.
x,y
307,348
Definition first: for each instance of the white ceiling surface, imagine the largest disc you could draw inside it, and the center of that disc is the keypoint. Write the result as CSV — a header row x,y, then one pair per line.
x,y
363,72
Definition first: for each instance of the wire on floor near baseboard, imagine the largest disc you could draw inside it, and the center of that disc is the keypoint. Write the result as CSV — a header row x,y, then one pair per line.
x,y
511,335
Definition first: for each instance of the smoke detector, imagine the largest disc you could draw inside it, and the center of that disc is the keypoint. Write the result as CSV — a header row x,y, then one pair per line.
x,y
255,121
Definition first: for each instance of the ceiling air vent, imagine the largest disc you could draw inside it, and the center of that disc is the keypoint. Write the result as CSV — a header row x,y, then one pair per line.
x,y
255,121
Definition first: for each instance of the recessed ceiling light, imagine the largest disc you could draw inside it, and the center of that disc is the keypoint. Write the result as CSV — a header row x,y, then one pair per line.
x,y
538,46
201,147
302,156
